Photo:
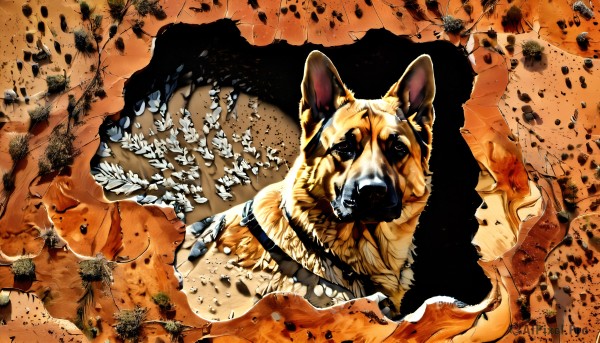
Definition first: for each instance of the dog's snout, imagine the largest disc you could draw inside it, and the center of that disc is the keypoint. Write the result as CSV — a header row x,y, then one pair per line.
x,y
372,189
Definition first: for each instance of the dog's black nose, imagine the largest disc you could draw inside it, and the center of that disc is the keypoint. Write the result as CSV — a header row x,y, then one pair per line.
x,y
371,191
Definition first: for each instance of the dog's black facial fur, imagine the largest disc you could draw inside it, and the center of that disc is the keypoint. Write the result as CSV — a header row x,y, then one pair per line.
x,y
369,199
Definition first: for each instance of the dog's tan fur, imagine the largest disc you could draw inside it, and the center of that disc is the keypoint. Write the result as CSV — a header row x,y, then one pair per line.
x,y
382,251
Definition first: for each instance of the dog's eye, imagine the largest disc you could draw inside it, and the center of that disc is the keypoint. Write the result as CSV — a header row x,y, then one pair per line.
x,y
344,149
400,149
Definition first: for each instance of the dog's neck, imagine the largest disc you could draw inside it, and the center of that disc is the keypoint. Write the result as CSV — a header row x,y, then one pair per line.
x,y
380,250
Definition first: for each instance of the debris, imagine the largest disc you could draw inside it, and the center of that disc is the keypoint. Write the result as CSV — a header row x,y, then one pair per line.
x,y
56,83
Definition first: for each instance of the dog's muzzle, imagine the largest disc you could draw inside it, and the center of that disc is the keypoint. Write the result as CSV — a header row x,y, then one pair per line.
x,y
368,199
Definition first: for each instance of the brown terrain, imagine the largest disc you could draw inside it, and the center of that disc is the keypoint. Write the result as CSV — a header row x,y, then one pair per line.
x,y
80,263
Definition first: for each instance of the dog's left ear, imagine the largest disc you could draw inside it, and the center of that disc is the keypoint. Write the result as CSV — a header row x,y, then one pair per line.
x,y
415,91
323,92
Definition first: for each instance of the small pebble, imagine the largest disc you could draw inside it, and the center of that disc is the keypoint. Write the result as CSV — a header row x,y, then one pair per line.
x,y
318,290
26,10
63,23
242,288
198,249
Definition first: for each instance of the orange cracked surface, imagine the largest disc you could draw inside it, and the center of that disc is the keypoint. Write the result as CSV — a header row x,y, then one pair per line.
x,y
539,172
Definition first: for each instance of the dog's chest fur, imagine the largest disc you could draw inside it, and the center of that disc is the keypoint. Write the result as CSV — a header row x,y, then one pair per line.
x,y
382,255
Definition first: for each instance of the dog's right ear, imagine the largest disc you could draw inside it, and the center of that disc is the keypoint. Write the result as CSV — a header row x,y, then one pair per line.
x,y
323,92
415,92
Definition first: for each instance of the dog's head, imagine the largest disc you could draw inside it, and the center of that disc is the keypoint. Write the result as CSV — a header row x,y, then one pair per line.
x,y
366,157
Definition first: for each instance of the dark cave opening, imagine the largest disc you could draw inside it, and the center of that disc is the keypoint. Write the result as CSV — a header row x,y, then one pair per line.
x,y
446,261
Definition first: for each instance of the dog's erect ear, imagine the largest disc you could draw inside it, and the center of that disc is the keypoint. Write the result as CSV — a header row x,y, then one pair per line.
x,y
322,93
415,91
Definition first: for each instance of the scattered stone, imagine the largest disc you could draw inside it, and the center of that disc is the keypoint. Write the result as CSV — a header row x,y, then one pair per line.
x,y
63,23
582,40
10,96
242,288
523,96
318,290
358,12
568,83
585,11
27,10
4,299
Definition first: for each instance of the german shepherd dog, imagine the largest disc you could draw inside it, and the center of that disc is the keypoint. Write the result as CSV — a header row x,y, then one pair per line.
x,y
342,221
